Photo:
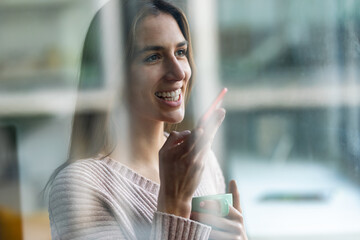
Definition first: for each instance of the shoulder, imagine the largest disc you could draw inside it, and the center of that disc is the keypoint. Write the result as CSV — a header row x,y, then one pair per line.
x,y
79,205
78,172
99,176
80,186
85,176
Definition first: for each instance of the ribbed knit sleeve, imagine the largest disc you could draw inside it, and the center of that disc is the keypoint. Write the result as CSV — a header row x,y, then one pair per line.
x,y
79,210
93,199
168,226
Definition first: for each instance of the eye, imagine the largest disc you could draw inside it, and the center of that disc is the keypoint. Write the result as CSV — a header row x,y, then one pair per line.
x,y
181,53
152,58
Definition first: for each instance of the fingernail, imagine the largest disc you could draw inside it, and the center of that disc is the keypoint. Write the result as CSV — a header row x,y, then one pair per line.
x,y
173,133
202,204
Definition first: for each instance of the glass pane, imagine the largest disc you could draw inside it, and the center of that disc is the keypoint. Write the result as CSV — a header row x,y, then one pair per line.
x,y
292,125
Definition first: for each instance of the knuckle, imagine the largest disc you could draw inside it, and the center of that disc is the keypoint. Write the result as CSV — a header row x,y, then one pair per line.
x,y
190,164
173,133
240,217
202,166
184,157
187,146
187,164
198,130
238,228
199,165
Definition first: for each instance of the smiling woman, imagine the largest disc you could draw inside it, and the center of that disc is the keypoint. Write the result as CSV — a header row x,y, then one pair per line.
x,y
140,186
160,70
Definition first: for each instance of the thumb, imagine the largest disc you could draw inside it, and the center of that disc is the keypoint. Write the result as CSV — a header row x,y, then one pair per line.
x,y
176,138
236,197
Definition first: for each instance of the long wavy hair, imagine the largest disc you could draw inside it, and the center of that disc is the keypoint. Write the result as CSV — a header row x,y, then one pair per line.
x,y
93,131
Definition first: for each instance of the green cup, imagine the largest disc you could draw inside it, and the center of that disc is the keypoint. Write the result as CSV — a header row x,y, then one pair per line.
x,y
224,200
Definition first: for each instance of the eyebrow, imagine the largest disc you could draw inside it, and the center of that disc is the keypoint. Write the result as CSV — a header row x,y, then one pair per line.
x,y
158,48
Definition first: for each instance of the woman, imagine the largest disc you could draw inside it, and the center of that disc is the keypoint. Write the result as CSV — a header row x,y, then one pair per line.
x,y
142,190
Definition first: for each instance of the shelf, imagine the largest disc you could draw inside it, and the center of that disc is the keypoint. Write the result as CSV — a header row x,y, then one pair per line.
x,y
27,80
292,97
35,4
39,5
23,73
50,102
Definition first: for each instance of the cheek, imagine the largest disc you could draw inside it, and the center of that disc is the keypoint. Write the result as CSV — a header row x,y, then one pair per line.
x,y
140,80
145,74
188,73
187,70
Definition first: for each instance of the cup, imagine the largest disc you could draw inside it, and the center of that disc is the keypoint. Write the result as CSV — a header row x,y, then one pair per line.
x,y
224,200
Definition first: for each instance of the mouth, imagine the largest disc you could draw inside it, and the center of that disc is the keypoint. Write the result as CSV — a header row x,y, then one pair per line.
x,y
171,96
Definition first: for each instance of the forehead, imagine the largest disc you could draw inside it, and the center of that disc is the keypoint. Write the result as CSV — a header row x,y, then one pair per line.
x,y
161,29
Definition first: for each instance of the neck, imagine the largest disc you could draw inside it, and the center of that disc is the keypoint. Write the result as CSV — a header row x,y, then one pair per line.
x,y
145,138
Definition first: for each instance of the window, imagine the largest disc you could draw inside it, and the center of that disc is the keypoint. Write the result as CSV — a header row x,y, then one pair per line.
x,y
291,135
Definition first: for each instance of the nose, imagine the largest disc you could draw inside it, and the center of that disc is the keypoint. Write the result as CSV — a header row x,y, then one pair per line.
x,y
175,71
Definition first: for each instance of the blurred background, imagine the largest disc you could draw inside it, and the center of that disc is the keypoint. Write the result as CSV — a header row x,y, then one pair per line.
x,y
291,135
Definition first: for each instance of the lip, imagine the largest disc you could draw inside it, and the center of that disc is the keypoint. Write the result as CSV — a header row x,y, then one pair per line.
x,y
170,90
172,103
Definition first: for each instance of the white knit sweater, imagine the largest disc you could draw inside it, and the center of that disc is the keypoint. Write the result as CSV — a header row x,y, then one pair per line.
x,y
104,199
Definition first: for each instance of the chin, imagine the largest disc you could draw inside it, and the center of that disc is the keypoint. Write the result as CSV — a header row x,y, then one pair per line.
x,y
174,120
174,116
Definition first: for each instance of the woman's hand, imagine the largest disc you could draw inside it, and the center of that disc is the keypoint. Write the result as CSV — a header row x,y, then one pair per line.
x,y
230,227
181,162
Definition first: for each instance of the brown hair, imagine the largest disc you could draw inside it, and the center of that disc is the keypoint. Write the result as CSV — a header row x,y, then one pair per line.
x,y
92,130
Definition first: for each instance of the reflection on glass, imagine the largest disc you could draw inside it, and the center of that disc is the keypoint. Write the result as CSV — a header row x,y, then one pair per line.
x,y
291,133
292,126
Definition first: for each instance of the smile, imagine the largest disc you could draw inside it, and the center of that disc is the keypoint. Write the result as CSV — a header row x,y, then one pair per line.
x,y
172,96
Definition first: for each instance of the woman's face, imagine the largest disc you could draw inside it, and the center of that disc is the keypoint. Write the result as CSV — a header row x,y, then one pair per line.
x,y
159,71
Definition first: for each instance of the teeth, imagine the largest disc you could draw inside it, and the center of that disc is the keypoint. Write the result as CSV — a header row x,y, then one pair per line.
x,y
169,96
173,99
